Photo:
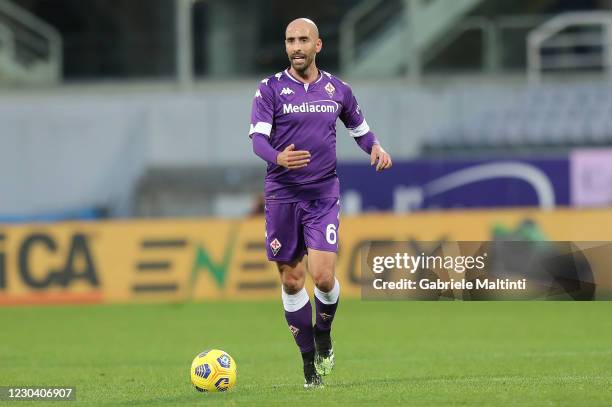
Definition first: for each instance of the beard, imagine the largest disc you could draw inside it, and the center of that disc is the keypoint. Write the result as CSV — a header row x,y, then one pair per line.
x,y
301,66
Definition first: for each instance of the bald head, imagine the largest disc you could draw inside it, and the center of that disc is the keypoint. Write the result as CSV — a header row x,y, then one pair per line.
x,y
302,44
303,24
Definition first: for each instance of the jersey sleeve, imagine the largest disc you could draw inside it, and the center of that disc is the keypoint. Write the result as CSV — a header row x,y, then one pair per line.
x,y
262,112
351,115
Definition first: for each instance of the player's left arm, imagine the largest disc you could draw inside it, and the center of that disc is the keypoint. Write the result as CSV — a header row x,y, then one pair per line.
x,y
358,128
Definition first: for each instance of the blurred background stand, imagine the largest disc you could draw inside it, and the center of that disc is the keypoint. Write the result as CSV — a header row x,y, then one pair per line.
x,y
141,108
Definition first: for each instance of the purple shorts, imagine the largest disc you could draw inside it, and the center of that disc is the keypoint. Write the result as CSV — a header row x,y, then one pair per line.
x,y
293,227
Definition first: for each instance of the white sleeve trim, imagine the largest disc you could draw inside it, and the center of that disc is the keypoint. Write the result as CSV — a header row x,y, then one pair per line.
x,y
261,127
360,130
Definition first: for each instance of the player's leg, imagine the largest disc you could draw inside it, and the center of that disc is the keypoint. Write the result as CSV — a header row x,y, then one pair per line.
x,y
321,235
285,246
298,313
321,265
296,302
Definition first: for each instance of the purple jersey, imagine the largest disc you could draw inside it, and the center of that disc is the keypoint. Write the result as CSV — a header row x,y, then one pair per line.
x,y
291,112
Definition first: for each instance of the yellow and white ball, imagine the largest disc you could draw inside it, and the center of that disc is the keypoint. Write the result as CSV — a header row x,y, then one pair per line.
x,y
213,370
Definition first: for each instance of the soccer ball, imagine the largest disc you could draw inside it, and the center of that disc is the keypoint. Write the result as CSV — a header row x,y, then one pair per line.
x,y
213,370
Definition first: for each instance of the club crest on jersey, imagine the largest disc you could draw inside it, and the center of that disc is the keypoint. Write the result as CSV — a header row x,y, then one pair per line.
x,y
294,331
286,91
275,245
329,88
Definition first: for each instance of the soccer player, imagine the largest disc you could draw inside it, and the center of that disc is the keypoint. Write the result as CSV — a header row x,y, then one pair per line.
x,y
293,128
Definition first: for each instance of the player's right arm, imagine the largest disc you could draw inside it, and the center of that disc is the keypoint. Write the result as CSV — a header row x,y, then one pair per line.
x,y
262,117
288,158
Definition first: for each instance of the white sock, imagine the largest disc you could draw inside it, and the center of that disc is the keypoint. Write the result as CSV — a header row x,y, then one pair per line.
x,y
330,297
294,302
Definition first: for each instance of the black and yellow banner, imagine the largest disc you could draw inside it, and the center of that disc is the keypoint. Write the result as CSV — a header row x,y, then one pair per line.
x,y
178,260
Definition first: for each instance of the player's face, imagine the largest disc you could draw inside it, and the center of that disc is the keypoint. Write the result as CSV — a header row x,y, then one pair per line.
x,y
302,46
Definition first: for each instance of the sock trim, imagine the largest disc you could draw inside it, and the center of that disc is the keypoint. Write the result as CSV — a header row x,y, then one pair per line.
x,y
295,302
330,297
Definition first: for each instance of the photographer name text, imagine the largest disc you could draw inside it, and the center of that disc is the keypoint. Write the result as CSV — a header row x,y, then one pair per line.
x,y
452,284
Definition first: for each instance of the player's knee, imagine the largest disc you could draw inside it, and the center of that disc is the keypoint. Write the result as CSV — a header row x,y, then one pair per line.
x,y
292,277
292,285
325,281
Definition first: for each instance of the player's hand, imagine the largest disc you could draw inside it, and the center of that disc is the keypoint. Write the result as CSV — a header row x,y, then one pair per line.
x,y
291,159
380,157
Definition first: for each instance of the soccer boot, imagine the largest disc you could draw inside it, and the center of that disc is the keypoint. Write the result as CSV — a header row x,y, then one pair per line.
x,y
311,377
324,357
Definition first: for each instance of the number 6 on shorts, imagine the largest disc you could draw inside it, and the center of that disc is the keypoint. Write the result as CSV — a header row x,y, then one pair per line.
x,y
330,234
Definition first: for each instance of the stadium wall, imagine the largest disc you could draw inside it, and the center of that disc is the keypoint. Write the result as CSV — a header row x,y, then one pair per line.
x,y
87,147
81,148
211,259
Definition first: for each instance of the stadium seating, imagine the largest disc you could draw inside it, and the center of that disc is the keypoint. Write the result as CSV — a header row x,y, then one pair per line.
x,y
547,115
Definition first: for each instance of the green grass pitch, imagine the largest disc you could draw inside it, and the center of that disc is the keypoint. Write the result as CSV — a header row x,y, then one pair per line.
x,y
388,353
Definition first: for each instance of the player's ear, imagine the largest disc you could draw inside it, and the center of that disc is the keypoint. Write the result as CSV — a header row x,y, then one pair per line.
x,y
319,45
